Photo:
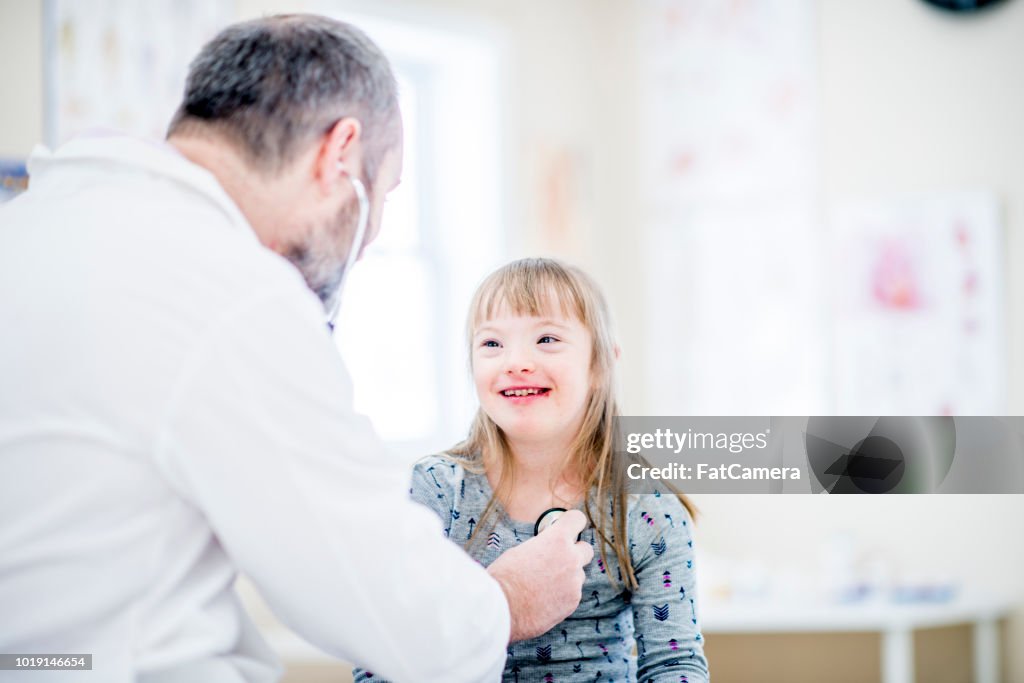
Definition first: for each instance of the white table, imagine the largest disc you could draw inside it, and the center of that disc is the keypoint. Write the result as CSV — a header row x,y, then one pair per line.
x,y
896,623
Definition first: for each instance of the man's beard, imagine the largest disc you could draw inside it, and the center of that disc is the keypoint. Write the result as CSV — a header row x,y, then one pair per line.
x,y
322,254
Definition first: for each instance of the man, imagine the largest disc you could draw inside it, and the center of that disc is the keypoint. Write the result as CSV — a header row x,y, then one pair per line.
x,y
173,410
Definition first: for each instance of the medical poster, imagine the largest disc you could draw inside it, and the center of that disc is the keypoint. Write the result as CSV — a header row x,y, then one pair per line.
x,y
919,307
122,64
733,240
730,98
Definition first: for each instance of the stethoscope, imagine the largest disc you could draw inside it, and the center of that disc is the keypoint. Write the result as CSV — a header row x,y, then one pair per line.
x,y
549,517
357,244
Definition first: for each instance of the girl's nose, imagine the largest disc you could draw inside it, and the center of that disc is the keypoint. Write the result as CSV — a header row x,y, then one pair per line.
x,y
518,363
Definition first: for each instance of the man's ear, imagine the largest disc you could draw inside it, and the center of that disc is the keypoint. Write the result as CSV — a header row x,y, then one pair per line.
x,y
341,151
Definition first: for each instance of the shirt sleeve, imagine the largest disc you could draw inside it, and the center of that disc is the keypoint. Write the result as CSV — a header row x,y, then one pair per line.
x,y
436,493
435,486
261,437
670,647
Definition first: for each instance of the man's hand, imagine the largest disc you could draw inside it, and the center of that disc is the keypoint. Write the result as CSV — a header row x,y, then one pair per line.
x,y
543,578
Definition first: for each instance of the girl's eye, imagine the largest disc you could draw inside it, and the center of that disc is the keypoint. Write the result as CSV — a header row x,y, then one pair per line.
x,y
491,344
546,339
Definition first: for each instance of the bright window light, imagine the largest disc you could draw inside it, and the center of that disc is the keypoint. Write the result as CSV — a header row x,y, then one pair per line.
x,y
401,324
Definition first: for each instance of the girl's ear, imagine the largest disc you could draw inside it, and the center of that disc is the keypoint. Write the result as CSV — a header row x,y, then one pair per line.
x,y
618,352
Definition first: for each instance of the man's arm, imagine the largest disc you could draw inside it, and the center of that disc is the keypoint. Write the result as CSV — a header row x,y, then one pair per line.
x,y
260,436
534,580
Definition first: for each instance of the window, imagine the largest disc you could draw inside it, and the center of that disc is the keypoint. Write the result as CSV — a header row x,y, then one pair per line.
x,y
401,324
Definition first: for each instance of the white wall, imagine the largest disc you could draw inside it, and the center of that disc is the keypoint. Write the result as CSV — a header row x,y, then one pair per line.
x,y
914,99
21,112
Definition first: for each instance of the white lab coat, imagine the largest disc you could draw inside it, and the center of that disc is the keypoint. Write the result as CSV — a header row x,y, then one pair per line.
x,y
172,411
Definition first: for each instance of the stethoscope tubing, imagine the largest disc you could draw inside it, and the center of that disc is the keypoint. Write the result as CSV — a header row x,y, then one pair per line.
x,y
357,244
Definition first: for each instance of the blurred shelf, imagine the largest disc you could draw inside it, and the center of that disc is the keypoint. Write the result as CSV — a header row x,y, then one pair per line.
x,y
895,622
790,617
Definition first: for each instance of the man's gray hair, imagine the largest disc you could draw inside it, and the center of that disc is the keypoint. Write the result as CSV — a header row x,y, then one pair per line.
x,y
275,85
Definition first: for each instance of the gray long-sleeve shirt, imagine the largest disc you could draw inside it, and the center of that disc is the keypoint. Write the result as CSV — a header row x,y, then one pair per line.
x,y
596,643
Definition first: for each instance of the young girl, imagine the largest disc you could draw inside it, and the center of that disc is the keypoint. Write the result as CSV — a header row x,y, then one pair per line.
x,y
542,359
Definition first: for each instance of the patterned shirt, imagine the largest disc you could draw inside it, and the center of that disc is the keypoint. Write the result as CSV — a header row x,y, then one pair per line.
x,y
615,635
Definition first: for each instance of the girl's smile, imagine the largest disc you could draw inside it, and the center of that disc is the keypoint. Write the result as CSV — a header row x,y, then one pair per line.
x,y
519,395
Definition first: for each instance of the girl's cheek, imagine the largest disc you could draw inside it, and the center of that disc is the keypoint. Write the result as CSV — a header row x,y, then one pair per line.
x,y
483,373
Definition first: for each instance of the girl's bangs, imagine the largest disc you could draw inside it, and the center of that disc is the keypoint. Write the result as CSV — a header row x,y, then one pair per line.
x,y
530,291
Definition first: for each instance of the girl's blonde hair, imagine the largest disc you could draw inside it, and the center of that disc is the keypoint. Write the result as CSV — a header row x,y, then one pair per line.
x,y
539,287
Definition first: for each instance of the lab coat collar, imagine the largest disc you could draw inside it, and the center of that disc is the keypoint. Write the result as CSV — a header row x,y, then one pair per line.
x,y
157,157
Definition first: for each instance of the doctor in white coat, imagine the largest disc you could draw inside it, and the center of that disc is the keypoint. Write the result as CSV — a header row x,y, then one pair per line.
x,y
173,411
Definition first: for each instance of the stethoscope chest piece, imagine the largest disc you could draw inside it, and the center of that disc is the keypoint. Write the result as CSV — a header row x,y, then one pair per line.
x,y
547,518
